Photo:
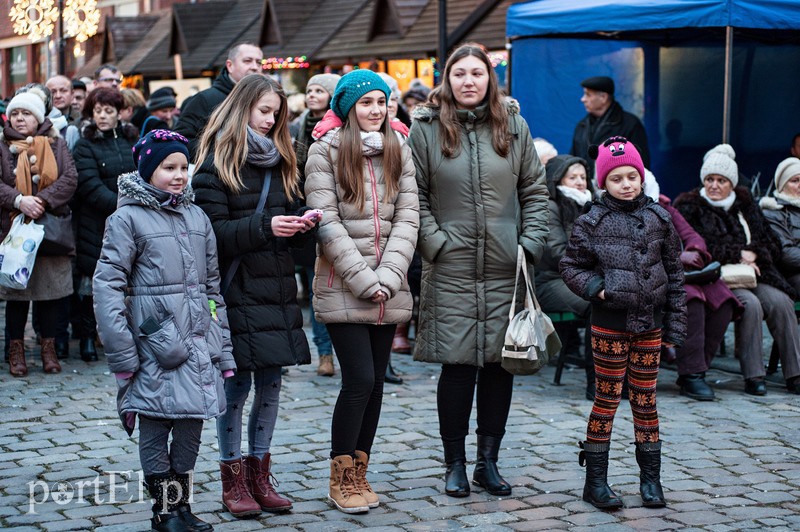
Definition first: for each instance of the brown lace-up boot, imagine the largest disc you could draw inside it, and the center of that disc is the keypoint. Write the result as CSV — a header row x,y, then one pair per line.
x,y
361,462
16,358
236,497
49,359
344,494
260,481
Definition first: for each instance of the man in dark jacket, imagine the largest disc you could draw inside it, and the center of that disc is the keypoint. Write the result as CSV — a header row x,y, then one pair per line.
x,y
605,118
243,59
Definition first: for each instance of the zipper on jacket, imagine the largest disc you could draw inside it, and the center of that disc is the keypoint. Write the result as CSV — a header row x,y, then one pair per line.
x,y
377,224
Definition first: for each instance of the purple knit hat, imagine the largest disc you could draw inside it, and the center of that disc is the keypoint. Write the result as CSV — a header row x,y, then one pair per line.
x,y
613,153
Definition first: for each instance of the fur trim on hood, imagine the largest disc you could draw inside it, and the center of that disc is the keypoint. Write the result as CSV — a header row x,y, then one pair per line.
x,y
128,131
133,189
770,204
428,112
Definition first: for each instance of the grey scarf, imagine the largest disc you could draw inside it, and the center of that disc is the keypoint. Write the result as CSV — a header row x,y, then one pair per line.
x,y
261,150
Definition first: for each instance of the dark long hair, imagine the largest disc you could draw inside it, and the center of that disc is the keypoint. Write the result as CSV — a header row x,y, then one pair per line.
x,y
442,97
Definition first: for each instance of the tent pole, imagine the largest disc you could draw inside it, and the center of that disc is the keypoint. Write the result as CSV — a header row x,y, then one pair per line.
x,y
726,102
443,44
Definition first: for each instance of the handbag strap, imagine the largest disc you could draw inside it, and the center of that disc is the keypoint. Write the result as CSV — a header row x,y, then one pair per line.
x,y
531,303
262,201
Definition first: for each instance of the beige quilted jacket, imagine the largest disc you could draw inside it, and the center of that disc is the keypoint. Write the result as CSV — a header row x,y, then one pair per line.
x,y
362,251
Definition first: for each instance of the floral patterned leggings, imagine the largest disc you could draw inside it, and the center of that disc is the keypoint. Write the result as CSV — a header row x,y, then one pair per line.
x,y
616,354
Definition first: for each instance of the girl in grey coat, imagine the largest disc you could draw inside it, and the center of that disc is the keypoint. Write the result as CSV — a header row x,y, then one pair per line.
x,y
162,321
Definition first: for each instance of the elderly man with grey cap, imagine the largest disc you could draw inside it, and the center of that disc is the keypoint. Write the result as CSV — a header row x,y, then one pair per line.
x,y
605,118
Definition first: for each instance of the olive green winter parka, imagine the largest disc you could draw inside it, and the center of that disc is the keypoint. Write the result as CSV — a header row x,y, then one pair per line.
x,y
475,208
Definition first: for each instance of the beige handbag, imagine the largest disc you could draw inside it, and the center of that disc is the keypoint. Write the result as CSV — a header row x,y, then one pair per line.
x,y
530,338
739,276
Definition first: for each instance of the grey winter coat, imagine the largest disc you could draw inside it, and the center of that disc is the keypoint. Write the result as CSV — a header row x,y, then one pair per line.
x,y
631,250
160,261
475,209
784,220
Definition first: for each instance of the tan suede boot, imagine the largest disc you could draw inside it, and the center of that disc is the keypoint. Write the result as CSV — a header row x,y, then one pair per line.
x,y
49,359
325,368
344,494
361,462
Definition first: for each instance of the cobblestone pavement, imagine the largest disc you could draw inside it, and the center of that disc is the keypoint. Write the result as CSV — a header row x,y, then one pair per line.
x,y
733,464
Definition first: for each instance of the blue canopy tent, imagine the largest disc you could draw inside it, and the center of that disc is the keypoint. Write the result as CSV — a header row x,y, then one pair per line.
x,y
698,72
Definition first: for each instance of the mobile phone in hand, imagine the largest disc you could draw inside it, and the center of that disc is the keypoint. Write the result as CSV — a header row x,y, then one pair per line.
x,y
314,215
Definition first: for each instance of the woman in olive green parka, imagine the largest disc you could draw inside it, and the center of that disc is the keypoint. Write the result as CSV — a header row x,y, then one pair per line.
x,y
482,193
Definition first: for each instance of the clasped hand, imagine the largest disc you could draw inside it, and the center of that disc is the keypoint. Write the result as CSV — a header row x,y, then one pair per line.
x,y
32,207
750,258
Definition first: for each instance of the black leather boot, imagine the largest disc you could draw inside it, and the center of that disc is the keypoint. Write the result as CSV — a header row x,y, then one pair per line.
x,y
391,377
486,474
456,483
648,456
88,330
184,509
596,490
62,350
165,515
694,385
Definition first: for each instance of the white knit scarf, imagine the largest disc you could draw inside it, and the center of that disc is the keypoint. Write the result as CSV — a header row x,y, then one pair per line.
x,y
726,203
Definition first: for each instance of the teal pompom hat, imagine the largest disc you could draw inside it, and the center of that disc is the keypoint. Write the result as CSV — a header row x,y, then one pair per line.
x,y
352,87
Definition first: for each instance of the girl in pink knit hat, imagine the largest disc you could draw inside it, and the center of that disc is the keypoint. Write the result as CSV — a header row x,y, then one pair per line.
x,y
624,257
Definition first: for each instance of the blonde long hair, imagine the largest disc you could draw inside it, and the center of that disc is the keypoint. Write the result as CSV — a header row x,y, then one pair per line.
x,y
225,136
350,163
443,98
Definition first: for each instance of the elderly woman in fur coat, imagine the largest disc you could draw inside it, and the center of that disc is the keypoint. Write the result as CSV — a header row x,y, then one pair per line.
x,y
735,231
37,175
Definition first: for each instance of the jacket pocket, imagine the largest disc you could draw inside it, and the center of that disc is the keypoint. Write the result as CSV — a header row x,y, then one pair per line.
x,y
165,345
215,340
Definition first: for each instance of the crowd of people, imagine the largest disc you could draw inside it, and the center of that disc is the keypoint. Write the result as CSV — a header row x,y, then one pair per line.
x,y
191,224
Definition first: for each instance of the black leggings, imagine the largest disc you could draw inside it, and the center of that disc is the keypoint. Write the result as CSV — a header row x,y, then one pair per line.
x,y
363,353
454,400
17,318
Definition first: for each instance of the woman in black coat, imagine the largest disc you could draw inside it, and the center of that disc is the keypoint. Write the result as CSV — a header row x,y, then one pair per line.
x,y
247,139
101,156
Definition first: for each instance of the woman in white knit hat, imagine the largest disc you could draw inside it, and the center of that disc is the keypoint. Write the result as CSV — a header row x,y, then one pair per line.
x,y
736,232
37,176
782,211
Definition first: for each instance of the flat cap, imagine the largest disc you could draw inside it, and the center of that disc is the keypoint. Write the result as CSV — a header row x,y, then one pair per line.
x,y
599,83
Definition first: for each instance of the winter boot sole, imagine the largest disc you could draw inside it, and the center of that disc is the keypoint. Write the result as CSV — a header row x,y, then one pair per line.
x,y
610,505
353,510
695,396
240,515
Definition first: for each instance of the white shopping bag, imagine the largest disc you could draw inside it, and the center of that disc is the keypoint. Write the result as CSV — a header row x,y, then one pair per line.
x,y
18,253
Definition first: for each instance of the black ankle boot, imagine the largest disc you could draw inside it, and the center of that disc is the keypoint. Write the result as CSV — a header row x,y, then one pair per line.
x,y
596,490
648,456
456,483
486,474
88,351
184,509
391,377
62,350
165,515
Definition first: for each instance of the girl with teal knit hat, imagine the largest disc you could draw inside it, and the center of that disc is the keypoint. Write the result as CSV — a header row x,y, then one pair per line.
x,y
360,174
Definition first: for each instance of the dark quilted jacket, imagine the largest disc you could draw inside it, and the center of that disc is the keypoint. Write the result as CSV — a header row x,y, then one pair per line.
x,y
265,320
725,237
100,158
631,250
784,220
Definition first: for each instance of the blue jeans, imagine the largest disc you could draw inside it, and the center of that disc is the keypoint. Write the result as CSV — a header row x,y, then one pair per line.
x,y
319,332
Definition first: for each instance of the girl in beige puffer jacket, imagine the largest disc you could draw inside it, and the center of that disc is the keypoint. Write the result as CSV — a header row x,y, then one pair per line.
x,y
361,175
